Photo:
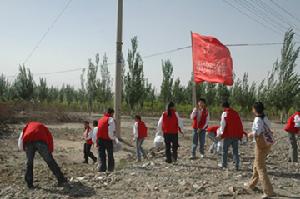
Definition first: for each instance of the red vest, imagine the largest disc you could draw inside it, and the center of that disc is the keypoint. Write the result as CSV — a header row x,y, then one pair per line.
x,y
170,124
142,130
212,129
36,131
200,124
86,134
290,126
103,128
234,125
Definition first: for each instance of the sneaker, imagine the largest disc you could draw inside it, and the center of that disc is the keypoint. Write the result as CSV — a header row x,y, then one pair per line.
x,y
169,161
94,160
201,155
30,186
85,162
193,157
63,182
247,186
266,196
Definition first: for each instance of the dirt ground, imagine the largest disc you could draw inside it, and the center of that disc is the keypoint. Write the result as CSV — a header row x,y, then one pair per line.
x,y
152,178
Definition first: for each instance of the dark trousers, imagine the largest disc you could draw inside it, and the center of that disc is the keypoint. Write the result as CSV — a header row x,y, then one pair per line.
x,y
106,146
87,152
293,150
234,142
171,141
42,148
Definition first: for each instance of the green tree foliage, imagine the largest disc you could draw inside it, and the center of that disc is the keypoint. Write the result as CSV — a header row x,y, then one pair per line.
x,y
284,80
104,92
178,92
134,80
24,84
42,90
91,81
4,88
167,83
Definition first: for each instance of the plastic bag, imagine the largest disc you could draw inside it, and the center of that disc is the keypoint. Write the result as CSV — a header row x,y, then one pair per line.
x,y
158,140
117,145
20,142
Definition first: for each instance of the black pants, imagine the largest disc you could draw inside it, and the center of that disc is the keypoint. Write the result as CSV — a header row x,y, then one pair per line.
x,y
106,146
171,141
293,149
42,148
87,152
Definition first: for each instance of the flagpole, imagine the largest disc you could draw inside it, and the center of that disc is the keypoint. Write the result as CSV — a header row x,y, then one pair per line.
x,y
194,94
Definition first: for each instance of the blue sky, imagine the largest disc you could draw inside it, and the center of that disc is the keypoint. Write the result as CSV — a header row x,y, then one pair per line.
x,y
89,26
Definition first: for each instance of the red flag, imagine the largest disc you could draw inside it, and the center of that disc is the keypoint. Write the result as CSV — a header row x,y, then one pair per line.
x,y
211,60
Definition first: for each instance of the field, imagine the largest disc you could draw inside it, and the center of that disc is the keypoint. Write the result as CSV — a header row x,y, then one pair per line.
x,y
152,178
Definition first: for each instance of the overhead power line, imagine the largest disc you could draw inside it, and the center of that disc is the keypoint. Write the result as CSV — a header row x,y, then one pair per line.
x,y
37,45
285,10
266,26
155,55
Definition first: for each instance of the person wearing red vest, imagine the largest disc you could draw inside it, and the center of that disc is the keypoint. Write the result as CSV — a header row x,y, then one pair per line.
x,y
140,132
292,127
105,138
87,136
170,124
36,137
200,117
212,134
231,131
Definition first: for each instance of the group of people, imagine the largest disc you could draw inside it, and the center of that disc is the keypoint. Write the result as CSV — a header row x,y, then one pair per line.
x,y
36,137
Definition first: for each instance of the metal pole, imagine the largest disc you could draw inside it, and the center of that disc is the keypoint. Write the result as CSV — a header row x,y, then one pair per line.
x,y
194,83
118,79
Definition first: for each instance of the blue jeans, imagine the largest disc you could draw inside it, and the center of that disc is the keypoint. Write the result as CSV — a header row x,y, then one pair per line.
x,y
198,137
139,148
234,142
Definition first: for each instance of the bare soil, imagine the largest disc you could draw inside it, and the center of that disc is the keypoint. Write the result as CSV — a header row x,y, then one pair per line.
x,y
152,178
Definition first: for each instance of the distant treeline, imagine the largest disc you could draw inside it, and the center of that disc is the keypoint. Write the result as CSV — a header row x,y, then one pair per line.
x,y
279,90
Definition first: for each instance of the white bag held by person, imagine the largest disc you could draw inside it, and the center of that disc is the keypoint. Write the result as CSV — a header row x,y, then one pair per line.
x,y
20,141
158,140
117,145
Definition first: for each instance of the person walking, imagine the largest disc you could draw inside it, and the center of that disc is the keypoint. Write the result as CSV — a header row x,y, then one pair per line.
x,y
231,131
170,124
262,149
105,138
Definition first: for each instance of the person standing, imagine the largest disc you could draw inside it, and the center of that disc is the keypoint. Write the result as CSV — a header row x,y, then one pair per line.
x,y
292,127
170,124
36,137
105,138
262,149
231,131
140,132
87,136
200,117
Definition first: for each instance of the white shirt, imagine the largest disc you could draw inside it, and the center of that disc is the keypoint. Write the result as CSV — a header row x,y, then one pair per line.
x,y
94,134
135,130
222,124
198,113
258,125
160,121
297,121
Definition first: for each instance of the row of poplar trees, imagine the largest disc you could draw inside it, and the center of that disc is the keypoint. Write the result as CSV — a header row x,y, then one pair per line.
x,y
279,90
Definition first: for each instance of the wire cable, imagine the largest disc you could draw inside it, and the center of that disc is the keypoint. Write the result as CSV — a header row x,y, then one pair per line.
x,y
285,10
37,45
